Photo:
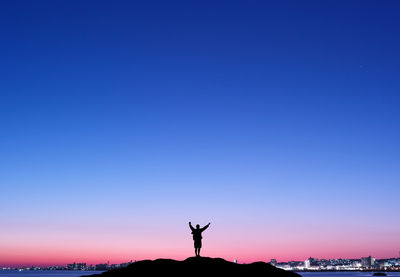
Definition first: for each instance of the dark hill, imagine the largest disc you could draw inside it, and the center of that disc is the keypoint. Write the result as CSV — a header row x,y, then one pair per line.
x,y
196,267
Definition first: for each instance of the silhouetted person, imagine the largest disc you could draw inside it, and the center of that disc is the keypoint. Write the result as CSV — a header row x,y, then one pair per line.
x,y
197,237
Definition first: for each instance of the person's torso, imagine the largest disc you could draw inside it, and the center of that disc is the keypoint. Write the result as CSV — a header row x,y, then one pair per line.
x,y
196,234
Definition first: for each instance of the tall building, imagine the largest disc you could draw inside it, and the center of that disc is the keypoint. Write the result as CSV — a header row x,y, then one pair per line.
x,y
368,261
313,261
307,264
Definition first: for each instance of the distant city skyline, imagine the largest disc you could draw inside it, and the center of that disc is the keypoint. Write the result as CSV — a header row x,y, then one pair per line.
x,y
114,263
276,121
363,263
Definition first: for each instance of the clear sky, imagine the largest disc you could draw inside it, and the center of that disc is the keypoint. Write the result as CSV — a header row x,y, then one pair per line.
x,y
121,121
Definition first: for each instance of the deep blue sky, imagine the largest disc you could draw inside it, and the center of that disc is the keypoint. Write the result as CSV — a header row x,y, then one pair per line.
x,y
284,111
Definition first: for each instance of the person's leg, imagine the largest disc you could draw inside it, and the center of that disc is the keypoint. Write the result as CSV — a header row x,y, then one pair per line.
x,y
199,251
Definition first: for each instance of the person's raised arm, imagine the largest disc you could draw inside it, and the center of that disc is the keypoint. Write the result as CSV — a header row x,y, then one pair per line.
x,y
205,227
191,227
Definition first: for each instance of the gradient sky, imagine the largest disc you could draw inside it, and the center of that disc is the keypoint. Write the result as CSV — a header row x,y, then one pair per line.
x,y
122,121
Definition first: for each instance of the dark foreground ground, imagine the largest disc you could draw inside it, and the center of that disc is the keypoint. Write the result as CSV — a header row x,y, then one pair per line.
x,y
196,267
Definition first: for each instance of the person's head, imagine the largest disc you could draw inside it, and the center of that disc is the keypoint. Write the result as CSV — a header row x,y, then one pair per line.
x,y
197,226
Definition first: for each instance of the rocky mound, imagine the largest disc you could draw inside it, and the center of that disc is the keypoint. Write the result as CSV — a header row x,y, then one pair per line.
x,y
196,267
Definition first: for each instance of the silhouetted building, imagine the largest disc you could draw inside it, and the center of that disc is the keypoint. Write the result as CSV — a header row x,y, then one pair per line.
x,y
273,262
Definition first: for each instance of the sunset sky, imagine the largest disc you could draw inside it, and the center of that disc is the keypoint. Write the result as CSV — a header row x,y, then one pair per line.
x,y
121,121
